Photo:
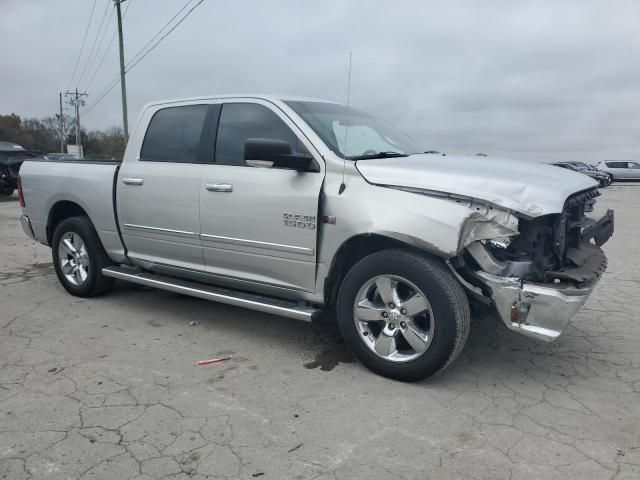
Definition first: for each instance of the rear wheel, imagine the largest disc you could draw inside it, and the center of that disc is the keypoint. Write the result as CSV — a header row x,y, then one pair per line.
x,y
78,258
403,314
6,192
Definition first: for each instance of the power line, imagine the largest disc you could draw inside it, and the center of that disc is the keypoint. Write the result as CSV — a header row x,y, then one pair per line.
x,y
160,31
93,46
166,34
104,56
104,93
84,39
93,59
113,37
111,85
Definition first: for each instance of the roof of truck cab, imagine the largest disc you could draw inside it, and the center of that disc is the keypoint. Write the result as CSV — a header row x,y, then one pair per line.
x,y
261,96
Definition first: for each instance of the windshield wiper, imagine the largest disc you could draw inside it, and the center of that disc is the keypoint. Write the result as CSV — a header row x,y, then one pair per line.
x,y
377,155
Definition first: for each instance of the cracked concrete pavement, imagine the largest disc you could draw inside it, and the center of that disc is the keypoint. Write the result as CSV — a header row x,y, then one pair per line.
x,y
107,387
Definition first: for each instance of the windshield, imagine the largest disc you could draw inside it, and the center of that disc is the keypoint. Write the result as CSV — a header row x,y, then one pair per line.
x,y
582,167
354,134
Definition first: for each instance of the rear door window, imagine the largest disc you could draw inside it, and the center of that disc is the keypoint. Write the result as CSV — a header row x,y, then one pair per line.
x,y
174,134
616,164
240,121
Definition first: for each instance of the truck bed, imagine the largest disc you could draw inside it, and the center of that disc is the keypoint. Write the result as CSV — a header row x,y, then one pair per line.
x,y
89,184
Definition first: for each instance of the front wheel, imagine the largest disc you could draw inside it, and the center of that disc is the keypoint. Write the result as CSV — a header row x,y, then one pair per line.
x,y
403,314
78,258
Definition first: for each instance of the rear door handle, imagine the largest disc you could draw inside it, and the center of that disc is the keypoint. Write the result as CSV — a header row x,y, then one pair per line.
x,y
132,181
219,187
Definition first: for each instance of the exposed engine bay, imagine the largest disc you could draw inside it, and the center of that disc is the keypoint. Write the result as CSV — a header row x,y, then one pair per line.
x,y
549,248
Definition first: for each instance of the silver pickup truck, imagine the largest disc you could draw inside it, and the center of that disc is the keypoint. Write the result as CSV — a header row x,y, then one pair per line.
x,y
291,206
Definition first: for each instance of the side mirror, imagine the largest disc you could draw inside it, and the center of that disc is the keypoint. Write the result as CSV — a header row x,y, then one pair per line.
x,y
268,153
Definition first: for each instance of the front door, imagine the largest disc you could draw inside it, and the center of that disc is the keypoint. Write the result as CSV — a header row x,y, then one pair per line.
x,y
158,194
259,225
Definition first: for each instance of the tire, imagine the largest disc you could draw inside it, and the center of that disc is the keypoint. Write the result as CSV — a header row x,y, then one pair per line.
x,y
7,192
611,179
442,327
76,234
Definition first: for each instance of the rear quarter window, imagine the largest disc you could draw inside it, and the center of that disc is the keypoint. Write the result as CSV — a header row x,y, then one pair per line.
x,y
173,134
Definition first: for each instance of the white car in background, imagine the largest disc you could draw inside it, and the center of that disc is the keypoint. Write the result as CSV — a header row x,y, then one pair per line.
x,y
620,169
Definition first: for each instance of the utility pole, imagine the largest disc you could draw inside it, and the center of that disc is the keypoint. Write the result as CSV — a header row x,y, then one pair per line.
x,y
61,127
123,85
77,102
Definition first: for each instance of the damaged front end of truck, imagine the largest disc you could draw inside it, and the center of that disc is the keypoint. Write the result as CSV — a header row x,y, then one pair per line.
x,y
538,273
527,245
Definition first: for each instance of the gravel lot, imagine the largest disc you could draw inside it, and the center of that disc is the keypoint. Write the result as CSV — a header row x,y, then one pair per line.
x,y
107,388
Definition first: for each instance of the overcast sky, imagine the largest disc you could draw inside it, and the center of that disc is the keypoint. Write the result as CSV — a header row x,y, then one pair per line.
x,y
539,80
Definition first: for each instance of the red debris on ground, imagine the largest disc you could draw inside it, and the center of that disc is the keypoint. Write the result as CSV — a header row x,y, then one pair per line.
x,y
213,360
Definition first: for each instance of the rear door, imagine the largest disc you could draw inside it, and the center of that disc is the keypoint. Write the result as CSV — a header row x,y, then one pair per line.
x,y
259,225
618,169
159,192
634,170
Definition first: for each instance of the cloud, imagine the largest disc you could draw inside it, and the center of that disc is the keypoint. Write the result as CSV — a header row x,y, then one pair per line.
x,y
530,79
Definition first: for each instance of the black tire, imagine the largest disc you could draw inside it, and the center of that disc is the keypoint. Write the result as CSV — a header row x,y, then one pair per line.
x,y
445,295
611,179
96,283
7,192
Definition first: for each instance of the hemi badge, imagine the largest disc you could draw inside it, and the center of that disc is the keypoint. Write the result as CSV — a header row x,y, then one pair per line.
x,y
331,220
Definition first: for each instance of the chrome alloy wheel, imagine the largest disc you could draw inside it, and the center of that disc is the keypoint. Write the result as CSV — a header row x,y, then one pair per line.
x,y
73,258
394,318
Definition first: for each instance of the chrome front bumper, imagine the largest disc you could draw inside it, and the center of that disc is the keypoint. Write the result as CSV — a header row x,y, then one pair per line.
x,y
26,226
536,310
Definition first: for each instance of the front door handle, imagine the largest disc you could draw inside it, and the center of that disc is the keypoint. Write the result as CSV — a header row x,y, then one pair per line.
x,y
219,187
132,181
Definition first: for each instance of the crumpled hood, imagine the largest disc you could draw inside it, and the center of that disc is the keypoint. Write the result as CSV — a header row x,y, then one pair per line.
x,y
530,188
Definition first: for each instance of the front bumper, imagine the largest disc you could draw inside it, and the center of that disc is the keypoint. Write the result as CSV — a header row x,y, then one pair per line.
x,y
26,227
537,310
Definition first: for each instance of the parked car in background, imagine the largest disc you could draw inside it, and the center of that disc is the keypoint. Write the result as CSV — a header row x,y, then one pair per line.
x,y
602,178
255,201
620,169
11,157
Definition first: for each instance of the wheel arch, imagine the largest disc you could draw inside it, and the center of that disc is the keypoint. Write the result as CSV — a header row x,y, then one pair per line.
x,y
60,211
355,249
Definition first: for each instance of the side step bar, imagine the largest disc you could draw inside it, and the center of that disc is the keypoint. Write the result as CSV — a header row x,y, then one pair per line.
x,y
216,294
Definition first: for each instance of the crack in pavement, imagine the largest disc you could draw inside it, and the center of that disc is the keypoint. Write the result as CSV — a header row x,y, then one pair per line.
x,y
107,389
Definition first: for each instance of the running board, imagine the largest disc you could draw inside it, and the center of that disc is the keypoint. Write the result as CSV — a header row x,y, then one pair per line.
x,y
216,294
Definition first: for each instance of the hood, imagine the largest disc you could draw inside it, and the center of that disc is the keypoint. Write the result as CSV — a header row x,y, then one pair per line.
x,y
530,188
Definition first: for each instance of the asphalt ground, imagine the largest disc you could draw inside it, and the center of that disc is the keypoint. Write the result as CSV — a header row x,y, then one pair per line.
x,y
107,387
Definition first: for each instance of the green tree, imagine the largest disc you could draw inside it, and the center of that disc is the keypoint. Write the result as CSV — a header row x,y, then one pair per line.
x,y
44,135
